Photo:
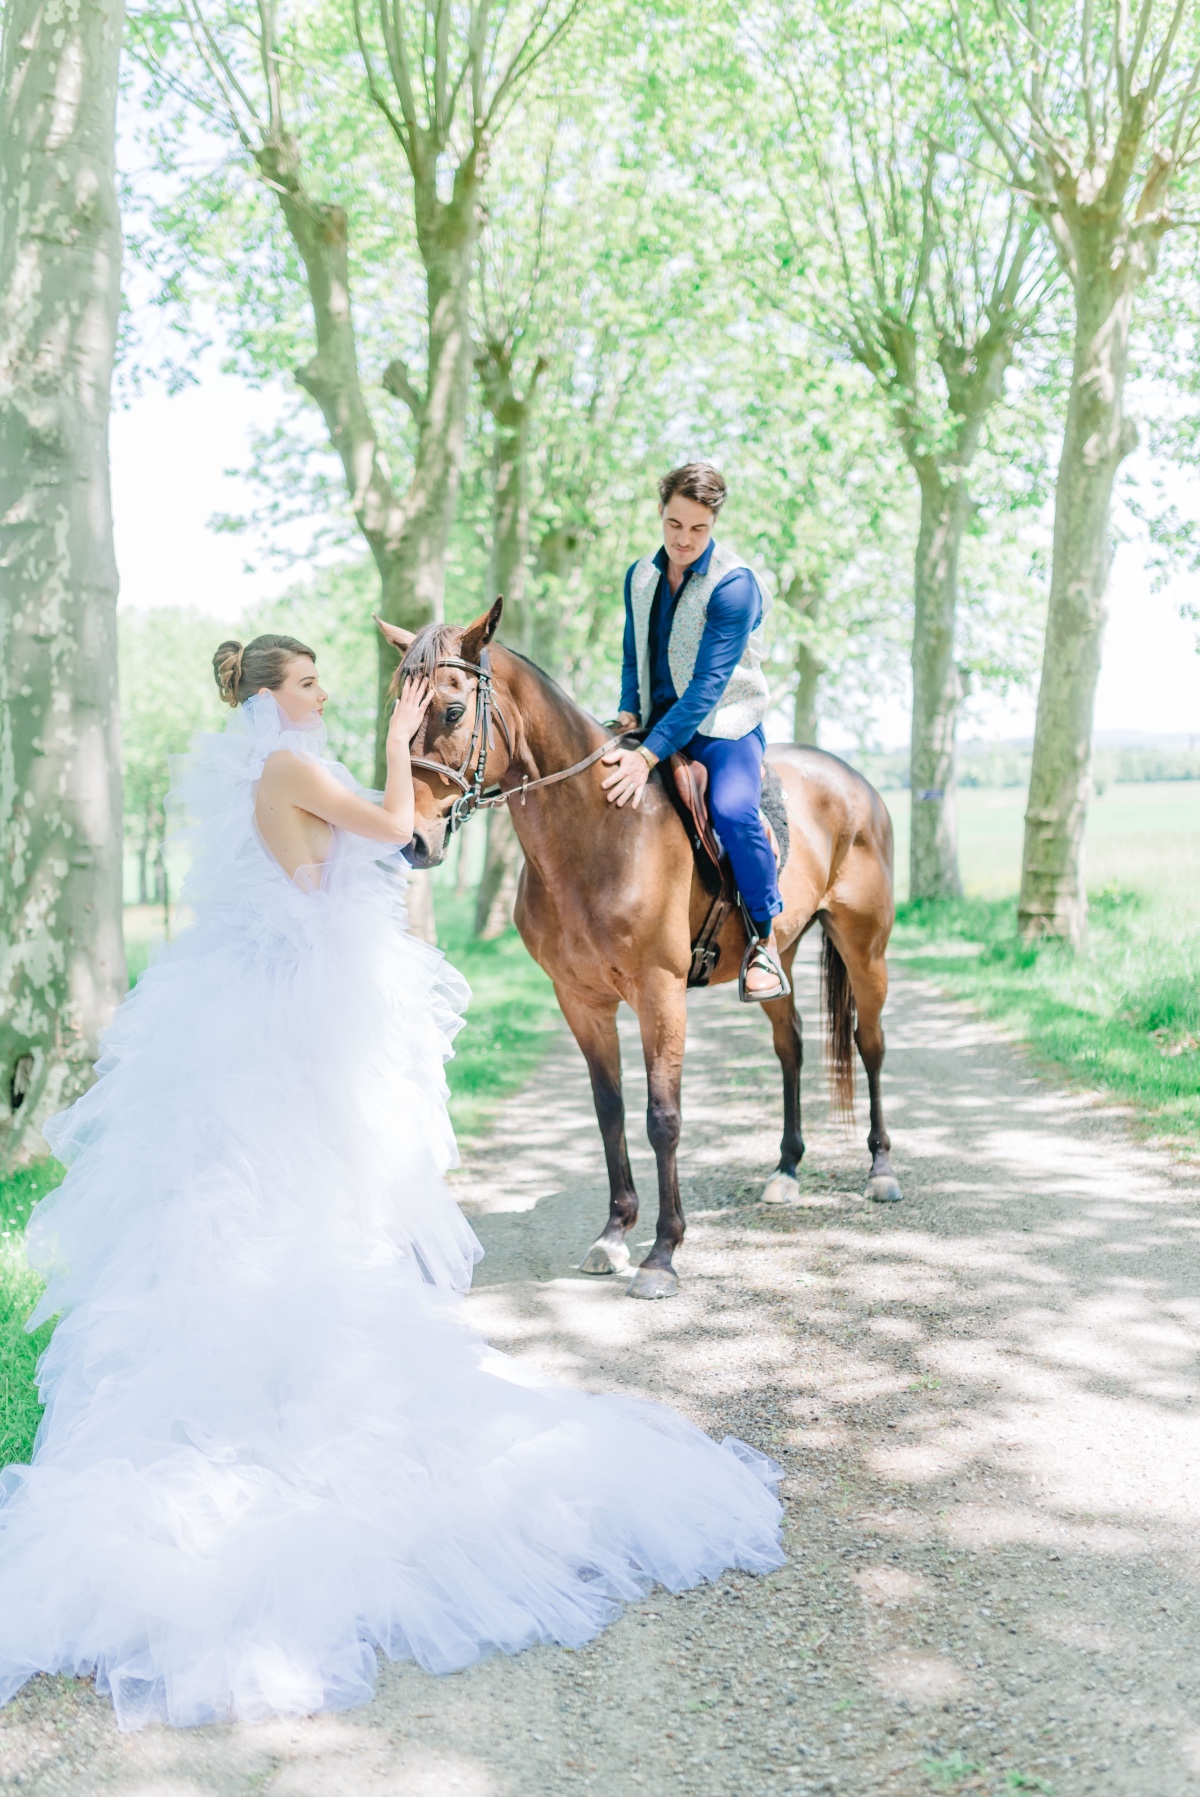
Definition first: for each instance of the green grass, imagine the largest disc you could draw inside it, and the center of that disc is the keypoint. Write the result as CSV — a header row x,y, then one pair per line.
x,y
1124,1014
948,1773
19,1292
512,1013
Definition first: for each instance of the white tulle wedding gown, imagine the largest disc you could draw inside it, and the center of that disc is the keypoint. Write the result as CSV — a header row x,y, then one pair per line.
x,y
272,1444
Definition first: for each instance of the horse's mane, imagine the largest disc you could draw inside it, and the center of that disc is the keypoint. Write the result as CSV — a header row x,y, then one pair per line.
x,y
427,648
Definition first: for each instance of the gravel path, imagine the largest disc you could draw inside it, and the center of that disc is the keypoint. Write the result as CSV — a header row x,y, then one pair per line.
x,y
986,1401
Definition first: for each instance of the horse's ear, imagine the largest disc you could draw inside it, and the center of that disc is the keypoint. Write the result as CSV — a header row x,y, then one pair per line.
x,y
399,639
478,635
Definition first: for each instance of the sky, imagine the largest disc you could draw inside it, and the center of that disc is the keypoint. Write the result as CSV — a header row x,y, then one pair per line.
x,y
171,454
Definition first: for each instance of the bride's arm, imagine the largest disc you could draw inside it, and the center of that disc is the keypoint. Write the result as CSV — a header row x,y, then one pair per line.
x,y
293,779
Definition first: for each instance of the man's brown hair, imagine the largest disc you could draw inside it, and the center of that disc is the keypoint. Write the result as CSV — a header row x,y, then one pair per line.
x,y
695,480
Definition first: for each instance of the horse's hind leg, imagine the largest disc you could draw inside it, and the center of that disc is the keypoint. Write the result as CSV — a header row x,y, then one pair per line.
x,y
594,1027
662,1014
869,985
788,1036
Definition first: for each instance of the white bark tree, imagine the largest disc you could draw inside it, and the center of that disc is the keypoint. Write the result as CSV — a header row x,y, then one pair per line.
x,y
1095,111
62,961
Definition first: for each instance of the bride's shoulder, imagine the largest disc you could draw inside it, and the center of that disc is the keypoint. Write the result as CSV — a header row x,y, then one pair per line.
x,y
287,764
291,770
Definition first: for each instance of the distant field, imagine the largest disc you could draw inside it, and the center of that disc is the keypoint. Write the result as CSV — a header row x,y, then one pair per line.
x,y
1145,837
1125,1013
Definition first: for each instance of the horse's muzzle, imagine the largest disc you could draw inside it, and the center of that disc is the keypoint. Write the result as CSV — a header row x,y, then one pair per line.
x,y
429,844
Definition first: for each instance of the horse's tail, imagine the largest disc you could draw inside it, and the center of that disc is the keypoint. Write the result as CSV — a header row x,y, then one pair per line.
x,y
839,1024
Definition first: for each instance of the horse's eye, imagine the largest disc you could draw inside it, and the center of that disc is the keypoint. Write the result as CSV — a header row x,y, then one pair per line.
x,y
455,713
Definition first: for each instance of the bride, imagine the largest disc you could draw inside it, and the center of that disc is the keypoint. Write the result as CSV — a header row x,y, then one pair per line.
x,y
272,1444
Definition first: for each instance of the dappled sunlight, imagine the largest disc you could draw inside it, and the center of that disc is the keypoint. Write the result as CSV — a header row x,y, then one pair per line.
x,y
888,1586
991,1392
921,1678
985,1401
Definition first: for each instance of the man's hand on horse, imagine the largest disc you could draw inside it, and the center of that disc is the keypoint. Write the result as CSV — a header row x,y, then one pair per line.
x,y
629,780
623,723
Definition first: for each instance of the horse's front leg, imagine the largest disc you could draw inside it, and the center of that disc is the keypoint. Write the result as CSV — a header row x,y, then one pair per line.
x,y
662,1014
594,1027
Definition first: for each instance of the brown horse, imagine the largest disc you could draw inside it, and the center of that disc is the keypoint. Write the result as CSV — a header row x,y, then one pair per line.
x,y
609,904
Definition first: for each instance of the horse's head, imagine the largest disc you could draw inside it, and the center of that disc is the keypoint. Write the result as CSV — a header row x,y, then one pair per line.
x,y
462,732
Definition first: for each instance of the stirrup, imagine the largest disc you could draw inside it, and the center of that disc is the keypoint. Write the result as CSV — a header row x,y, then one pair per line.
x,y
759,954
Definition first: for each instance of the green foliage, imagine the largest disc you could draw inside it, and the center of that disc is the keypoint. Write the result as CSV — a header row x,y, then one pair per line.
x,y
622,249
898,250
19,1292
950,1771
167,694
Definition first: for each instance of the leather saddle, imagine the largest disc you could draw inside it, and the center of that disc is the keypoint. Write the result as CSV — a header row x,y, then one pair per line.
x,y
689,786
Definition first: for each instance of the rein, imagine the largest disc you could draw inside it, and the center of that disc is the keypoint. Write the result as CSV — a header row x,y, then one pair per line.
x,y
473,781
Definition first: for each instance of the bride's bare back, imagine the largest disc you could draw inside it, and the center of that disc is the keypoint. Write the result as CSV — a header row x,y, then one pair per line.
x,y
296,835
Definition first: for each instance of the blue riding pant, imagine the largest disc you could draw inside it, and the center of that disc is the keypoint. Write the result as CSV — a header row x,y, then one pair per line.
x,y
734,797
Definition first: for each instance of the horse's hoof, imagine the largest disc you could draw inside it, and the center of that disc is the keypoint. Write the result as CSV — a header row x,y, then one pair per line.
x,y
781,1188
883,1189
605,1257
653,1282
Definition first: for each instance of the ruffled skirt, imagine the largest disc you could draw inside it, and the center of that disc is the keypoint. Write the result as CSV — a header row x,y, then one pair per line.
x,y
272,1446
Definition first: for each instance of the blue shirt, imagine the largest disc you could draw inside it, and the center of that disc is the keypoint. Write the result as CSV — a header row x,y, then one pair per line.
x,y
734,610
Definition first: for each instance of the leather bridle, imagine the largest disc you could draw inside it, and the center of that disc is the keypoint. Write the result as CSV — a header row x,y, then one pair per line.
x,y
474,794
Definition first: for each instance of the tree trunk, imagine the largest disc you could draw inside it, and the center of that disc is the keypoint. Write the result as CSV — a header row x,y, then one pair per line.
x,y
422,920
462,867
1053,897
414,582
164,886
511,415
63,967
933,841
805,601
497,891
143,864
407,536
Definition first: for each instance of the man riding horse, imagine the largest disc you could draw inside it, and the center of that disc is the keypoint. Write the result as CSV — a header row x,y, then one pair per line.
x,y
693,680
612,902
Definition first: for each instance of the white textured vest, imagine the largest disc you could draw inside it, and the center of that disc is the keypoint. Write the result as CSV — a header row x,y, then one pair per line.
x,y
745,700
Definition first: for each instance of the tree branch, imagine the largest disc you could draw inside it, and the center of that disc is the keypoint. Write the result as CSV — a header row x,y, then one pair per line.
x,y
398,382
399,128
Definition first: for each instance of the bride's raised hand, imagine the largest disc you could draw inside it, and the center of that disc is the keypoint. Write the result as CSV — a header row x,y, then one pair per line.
x,y
416,696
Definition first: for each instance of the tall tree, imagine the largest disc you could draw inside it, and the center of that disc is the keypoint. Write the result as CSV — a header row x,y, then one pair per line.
x,y
62,969
1095,113
444,80
936,281
821,502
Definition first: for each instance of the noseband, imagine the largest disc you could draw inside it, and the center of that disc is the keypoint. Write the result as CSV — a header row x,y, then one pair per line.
x,y
473,780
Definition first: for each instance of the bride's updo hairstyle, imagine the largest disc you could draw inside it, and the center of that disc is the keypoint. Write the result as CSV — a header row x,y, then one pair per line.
x,y
240,670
